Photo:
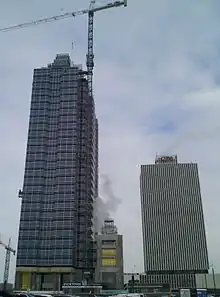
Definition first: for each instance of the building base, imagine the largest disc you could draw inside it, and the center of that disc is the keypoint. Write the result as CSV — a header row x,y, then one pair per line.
x,y
45,278
175,281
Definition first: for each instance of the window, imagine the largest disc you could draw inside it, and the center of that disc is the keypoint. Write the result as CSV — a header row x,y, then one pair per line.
x,y
108,252
108,242
109,262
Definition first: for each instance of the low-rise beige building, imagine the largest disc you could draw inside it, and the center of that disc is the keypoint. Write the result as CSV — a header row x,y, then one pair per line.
x,y
109,269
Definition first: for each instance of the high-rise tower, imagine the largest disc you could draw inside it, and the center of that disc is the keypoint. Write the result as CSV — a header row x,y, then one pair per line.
x,y
60,180
174,239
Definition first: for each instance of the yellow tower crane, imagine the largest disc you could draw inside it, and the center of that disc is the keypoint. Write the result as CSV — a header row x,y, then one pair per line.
x,y
9,250
90,12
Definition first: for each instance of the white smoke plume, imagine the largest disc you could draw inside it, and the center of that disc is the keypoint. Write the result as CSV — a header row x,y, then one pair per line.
x,y
106,205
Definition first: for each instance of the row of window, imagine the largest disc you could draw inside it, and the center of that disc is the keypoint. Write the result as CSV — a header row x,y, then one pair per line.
x,y
108,262
55,113
39,118
50,171
66,103
51,71
56,131
45,117
48,126
54,189
60,200
50,207
28,234
68,142
52,143
44,200
54,177
81,150
32,218
56,214
58,92
63,102
56,110
56,82
79,191
47,223
52,164
55,149
44,243
44,262
30,193
28,261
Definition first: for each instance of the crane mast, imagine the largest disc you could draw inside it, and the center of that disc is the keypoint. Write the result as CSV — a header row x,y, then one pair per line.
x,y
9,250
90,54
91,11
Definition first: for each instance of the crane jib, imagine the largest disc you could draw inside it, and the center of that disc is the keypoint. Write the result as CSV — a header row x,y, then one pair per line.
x,y
90,12
64,16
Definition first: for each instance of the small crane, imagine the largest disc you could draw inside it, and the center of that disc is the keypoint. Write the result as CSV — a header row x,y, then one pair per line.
x,y
90,11
9,250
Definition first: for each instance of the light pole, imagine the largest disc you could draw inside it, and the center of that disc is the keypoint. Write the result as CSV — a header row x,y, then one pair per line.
x,y
206,286
213,277
132,279
134,269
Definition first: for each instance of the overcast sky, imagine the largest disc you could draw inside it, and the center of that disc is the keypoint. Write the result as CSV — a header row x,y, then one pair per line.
x,y
157,76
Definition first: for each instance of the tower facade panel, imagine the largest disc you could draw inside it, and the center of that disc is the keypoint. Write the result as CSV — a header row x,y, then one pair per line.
x,y
174,238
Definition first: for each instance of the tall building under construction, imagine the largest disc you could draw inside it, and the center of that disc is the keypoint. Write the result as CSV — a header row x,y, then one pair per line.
x,y
174,238
55,242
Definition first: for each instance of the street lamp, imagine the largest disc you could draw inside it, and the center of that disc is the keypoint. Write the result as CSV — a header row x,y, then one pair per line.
x,y
213,277
132,279
206,285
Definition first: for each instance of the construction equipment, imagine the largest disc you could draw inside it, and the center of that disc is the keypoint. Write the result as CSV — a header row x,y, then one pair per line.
x,y
90,12
9,250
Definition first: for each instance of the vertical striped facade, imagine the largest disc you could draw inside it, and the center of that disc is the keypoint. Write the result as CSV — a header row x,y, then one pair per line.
x,y
174,238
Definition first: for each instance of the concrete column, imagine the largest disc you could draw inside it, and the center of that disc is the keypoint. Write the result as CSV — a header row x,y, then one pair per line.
x,y
56,282
59,281
38,282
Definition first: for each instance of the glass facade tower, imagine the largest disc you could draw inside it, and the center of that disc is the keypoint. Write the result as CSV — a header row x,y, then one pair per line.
x,y
61,176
